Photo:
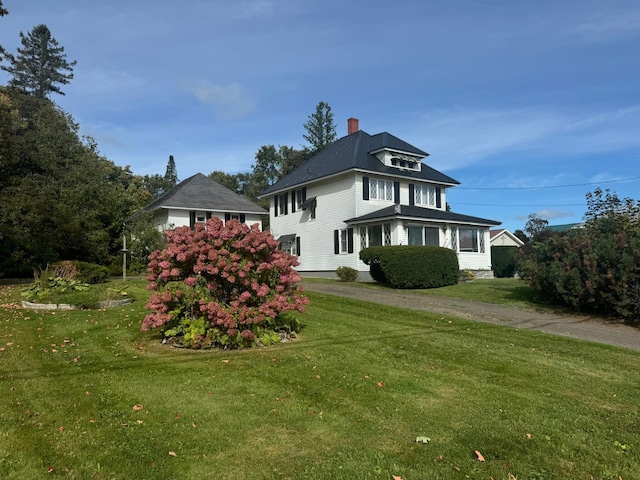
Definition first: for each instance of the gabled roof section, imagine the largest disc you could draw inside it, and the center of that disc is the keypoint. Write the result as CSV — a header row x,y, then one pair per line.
x,y
354,152
495,233
420,213
200,192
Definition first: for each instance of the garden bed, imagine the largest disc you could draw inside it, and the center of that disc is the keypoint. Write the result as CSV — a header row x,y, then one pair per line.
x,y
66,306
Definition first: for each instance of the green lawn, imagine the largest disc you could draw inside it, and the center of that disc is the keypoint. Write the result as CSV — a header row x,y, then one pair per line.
x,y
86,395
503,291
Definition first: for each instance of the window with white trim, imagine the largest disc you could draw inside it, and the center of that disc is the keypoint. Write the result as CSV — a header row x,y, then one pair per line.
x,y
471,240
343,241
380,189
419,235
289,247
375,235
425,196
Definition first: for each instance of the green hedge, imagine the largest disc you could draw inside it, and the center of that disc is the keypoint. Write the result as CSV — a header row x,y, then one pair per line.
x,y
91,272
412,266
503,261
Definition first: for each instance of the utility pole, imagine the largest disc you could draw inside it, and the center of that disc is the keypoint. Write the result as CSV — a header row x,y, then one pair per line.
x,y
124,256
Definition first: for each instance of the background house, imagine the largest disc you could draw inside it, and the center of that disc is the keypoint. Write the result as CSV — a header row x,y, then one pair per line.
x,y
367,190
504,238
199,198
564,227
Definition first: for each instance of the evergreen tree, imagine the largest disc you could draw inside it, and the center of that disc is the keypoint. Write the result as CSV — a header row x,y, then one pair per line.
x,y
321,129
41,65
3,12
171,174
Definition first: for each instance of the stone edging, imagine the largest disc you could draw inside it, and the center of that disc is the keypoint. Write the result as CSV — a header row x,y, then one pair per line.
x,y
65,306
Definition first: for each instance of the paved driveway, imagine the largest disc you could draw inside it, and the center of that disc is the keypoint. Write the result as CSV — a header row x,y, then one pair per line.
x,y
582,327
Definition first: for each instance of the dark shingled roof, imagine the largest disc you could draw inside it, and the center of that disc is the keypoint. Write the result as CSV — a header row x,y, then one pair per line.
x,y
420,213
354,152
200,192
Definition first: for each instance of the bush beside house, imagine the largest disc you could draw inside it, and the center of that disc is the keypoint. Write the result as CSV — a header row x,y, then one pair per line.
x,y
412,266
503,261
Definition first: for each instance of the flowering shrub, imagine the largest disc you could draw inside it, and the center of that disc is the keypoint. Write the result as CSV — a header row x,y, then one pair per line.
x,y
222,285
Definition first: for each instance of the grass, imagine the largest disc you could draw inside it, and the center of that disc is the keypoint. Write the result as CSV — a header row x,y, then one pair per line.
x,y
501,291
346,401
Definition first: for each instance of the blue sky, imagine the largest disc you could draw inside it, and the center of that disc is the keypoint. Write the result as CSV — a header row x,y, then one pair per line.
x,y
511,98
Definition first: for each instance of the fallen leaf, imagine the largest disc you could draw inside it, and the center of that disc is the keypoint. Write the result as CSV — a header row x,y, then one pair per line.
x,y
173,454
50,470
137,407
423,439
396,477
529,436
225,361
380,384
479,455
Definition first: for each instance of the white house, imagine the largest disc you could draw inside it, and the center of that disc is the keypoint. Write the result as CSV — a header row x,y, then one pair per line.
x,y
199,198
367,190
504,238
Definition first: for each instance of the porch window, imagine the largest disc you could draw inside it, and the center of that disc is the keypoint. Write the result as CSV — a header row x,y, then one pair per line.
x,y
418,235
375,235
468,239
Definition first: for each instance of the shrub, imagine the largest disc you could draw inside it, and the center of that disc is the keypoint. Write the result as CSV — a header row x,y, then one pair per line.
x,y
57,279
503,261
467,275
222,285
91,273
592,269
347,274
412,266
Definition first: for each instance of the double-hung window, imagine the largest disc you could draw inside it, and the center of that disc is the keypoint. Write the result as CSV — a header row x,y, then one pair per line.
x,y
425,196
380,189
343,241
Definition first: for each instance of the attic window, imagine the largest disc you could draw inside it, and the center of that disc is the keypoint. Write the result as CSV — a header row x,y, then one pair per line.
x,y
405,161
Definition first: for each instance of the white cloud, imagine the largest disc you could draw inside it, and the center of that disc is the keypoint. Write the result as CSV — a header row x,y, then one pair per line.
x,y
253,8
230,101
548,214
604,26
461,137
99,80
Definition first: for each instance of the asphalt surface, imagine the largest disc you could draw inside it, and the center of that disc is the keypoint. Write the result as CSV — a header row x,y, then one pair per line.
x,y
610,332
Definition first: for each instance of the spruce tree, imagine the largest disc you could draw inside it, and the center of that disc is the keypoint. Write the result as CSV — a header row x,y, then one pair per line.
x,y
41,65
171,174
3,12
321,130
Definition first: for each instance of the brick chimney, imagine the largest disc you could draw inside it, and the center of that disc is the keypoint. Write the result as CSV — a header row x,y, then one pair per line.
x,y
352,125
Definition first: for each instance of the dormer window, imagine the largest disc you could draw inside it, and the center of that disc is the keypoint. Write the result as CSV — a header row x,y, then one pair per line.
x,y
402,161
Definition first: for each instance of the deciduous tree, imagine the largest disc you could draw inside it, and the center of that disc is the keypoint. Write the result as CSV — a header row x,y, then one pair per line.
x,y
535,225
